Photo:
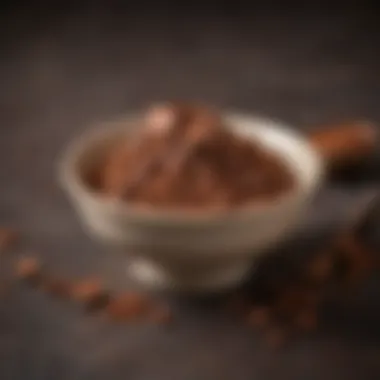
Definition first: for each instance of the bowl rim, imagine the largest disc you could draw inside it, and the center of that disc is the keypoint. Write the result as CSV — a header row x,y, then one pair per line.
x,y
70,179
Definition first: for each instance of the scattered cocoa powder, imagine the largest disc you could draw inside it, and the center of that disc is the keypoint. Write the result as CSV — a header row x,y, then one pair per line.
x,y
296,304
193,161
91,293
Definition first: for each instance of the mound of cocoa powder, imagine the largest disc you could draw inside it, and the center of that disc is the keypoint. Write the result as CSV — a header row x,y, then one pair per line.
x,y
184,156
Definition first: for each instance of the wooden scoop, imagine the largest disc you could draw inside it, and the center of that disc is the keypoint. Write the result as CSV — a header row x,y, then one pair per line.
x,y
341,145
346,144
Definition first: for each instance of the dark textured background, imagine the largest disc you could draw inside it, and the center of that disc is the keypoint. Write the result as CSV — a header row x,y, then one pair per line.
x,y
63,68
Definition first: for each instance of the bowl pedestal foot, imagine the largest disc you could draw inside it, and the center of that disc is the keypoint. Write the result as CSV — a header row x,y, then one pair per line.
x,y
154,276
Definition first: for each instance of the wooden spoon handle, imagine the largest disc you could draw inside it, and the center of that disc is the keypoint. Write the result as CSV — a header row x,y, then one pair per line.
x,y
345,144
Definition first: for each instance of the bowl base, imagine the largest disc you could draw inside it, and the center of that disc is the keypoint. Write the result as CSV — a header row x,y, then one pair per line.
x,y
151,275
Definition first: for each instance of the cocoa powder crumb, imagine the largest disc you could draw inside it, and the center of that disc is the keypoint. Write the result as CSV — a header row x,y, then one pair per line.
x,y
259,317
275,338
306,320
86,290
321,267
29,269
99,302
161,315
291,299
91,293
56,287
128,306
237,305
358,260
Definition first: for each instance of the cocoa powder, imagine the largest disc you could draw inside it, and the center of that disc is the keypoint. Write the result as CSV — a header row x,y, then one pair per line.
x,y
193,161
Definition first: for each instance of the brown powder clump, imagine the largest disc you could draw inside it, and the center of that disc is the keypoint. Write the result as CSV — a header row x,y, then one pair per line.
x,y
321,267
358,260
86,289
29,269
307,320
185,157
276,338
161,315
128,306
91,293
56,287
259,317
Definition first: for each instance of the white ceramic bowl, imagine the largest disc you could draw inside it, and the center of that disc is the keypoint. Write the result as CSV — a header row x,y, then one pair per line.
x,y
192,251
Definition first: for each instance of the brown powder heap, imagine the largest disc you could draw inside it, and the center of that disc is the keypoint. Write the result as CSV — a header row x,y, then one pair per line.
x,y
185,157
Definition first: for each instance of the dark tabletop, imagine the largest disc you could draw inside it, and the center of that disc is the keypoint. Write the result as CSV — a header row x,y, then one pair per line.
x,y
63,69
